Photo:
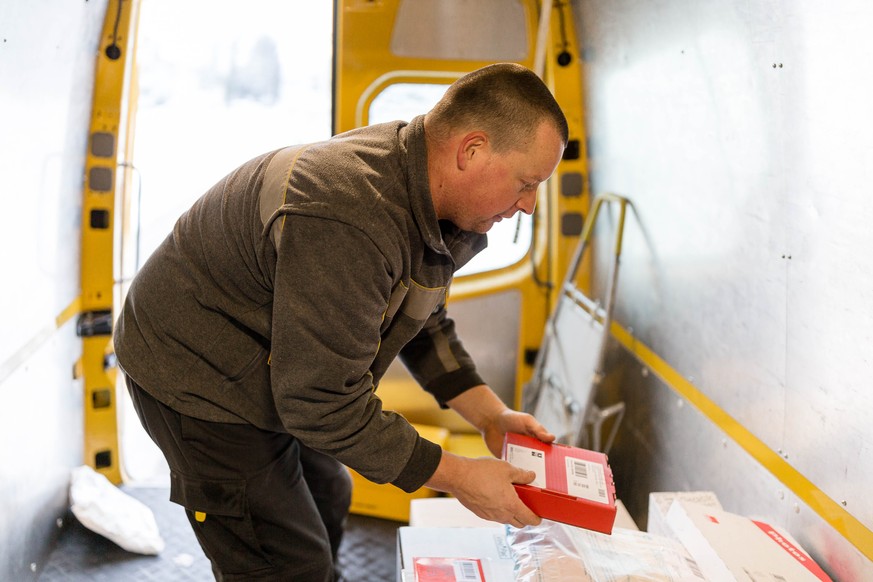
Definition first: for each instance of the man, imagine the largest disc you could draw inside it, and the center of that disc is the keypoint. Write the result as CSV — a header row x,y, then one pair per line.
x,y
255,336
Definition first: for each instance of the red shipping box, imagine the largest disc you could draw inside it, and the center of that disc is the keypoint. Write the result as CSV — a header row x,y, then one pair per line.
x,y
572,486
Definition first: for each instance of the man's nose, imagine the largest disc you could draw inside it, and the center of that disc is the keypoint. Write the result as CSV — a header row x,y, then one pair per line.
x,y
527,203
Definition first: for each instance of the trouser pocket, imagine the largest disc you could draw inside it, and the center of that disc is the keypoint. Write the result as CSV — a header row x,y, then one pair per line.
x,y
218,512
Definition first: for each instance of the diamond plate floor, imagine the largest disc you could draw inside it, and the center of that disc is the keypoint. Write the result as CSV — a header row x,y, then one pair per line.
x,y
368,552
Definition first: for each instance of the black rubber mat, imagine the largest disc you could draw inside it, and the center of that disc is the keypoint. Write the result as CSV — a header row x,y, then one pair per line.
x,y
367,554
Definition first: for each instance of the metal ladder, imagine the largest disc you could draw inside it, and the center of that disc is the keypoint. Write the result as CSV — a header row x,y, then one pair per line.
x,y
568,370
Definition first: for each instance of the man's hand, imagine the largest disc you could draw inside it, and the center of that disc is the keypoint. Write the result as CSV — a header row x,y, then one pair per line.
x,y
511,421
484,410
484,486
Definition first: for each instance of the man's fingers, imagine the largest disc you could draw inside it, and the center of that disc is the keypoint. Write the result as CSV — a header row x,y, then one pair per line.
x,y
529,518
522,514
532,427
544,435
523,476
535,429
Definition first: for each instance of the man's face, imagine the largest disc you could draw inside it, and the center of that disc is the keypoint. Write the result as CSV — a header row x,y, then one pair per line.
x,y
501,184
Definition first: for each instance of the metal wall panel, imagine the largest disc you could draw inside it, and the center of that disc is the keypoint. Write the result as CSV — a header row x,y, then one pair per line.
x,y
47,57
488,326
740,131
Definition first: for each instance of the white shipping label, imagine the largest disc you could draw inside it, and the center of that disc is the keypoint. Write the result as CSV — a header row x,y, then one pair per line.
x,y
530,460
586,480
467,571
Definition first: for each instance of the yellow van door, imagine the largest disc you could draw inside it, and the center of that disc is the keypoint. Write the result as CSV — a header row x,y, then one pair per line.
x,y
393,60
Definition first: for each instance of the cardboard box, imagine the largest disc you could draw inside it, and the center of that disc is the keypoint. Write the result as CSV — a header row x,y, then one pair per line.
x,y
573,486
729,547
660,502
448,512
444,512
385,500
486,545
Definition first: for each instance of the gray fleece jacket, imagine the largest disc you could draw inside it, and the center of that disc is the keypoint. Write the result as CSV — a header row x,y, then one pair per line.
x,y
284,293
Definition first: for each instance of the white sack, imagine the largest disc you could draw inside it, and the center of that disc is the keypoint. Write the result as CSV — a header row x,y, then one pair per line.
x,y
105,509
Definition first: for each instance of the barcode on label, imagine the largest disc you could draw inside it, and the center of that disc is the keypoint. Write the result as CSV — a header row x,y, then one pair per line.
x,y
467,571
586,479
580,468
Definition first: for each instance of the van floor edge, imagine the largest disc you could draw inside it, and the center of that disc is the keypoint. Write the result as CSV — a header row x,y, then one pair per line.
x,y
368,552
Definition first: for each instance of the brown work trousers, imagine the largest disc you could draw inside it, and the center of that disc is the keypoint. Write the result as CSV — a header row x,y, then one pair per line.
x,y
262,505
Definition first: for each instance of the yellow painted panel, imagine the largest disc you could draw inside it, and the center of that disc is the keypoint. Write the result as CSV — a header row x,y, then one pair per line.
x,y
101,446
468,445
387,501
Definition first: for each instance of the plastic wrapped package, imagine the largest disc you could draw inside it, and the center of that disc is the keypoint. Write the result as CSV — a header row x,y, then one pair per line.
x,y
103,508
553,552
545,552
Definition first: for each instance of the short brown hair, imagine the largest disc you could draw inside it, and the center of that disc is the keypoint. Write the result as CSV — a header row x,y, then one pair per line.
x,y
506,100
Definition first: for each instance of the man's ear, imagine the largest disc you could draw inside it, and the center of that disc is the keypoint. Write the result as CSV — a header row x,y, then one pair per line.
x,y
470,146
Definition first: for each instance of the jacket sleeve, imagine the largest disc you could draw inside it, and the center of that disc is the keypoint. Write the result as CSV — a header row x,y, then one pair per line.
x,y
331,289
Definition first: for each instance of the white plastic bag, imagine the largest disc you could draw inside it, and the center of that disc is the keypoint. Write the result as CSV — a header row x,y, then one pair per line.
x,y
555,552
106,510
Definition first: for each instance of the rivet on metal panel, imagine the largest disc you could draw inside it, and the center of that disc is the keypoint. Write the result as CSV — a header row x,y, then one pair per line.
x,y
33,566
113,52
780,494
691,379
724,443
680,403
844,503
59,522
796,508
644,372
